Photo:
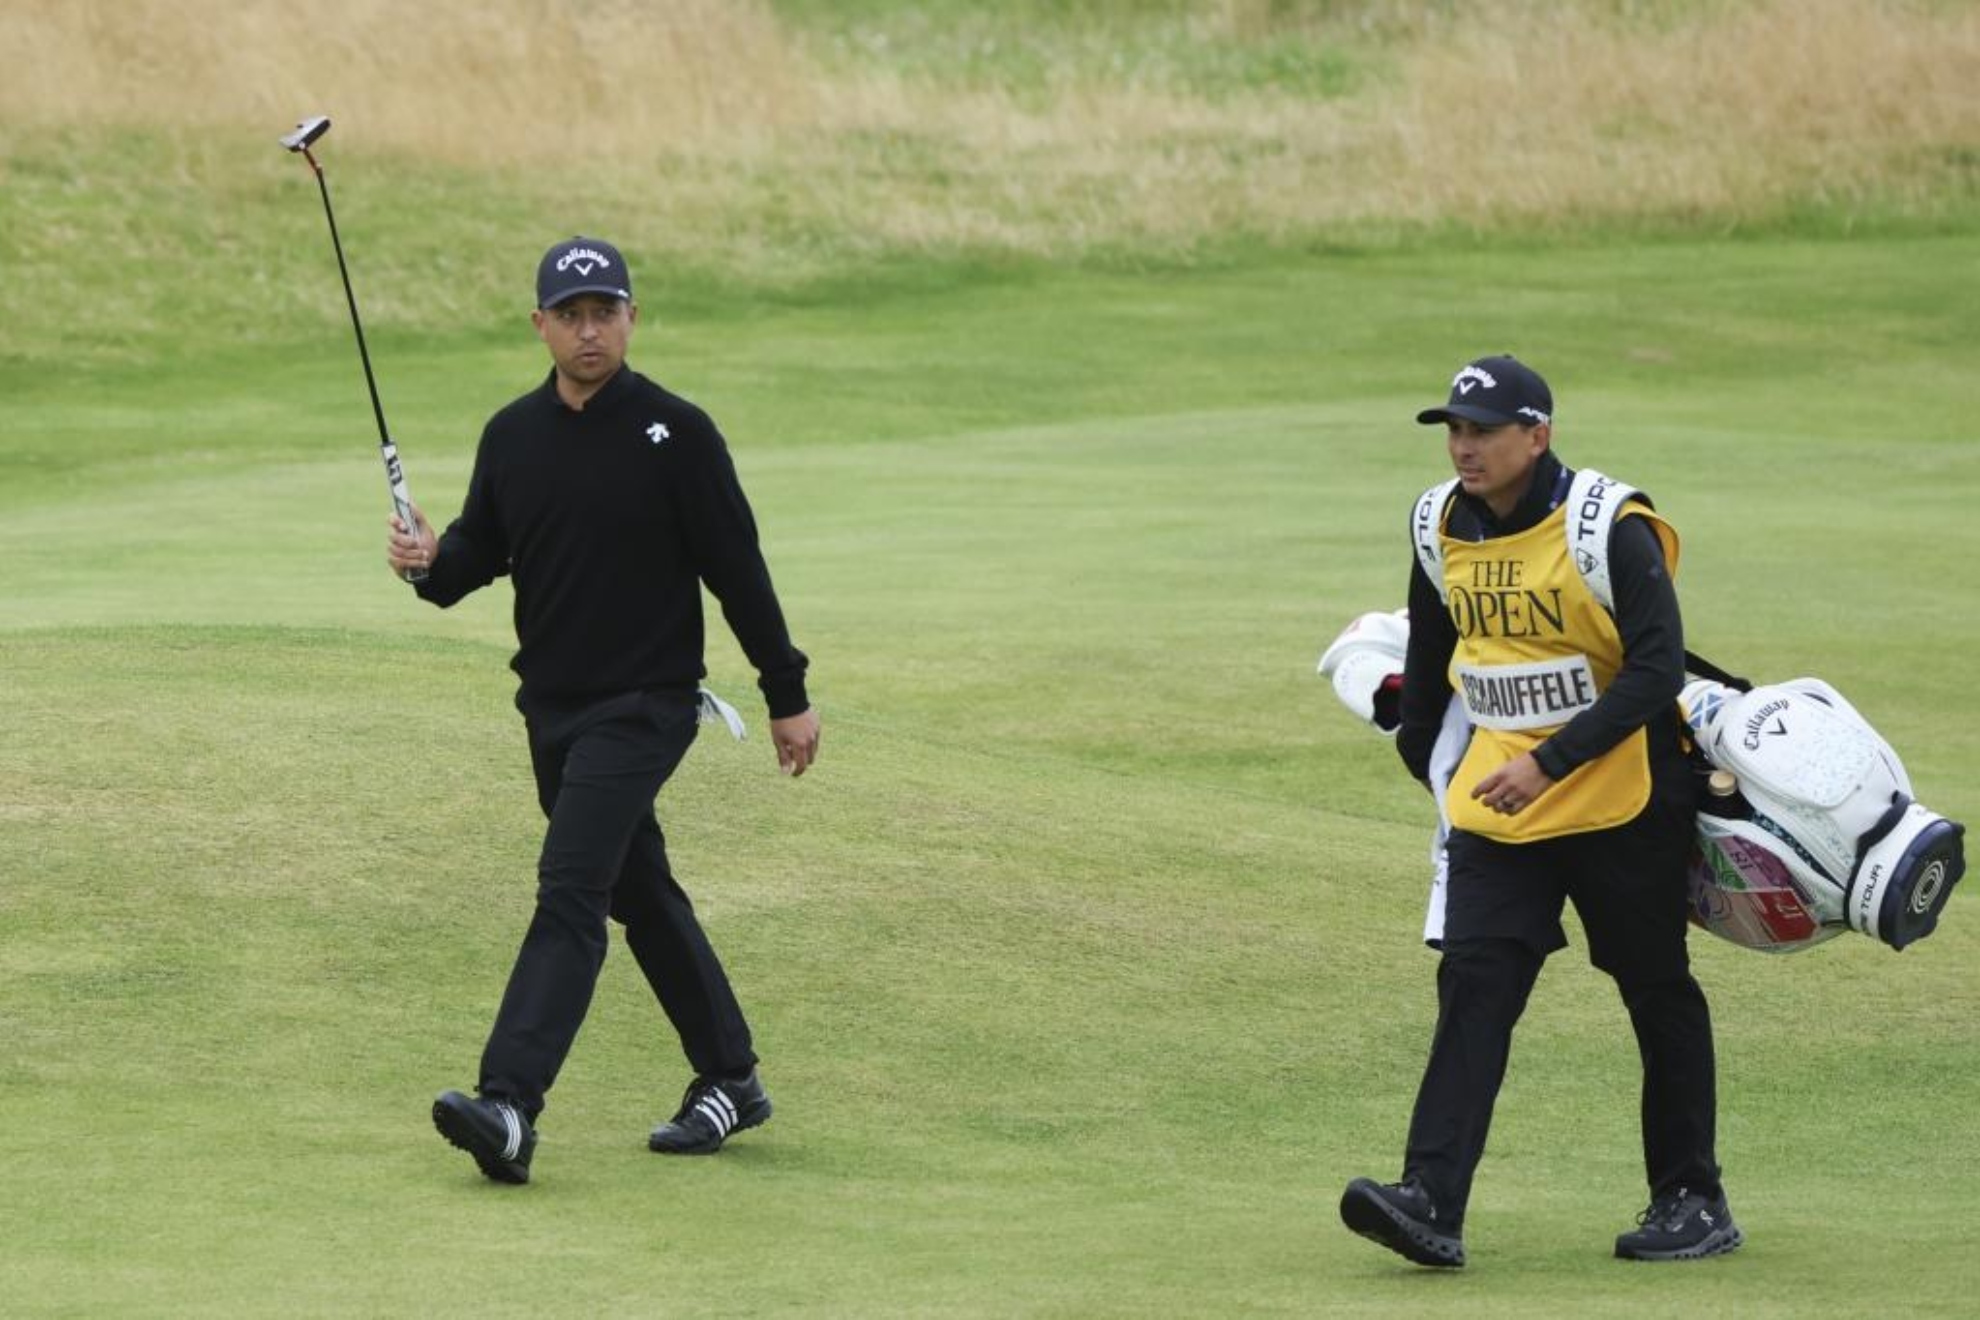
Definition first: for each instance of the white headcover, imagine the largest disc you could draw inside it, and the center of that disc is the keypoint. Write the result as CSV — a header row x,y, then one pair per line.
x,y
1366,656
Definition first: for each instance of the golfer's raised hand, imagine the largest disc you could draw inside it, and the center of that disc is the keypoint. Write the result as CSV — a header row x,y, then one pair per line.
x,y
796,740
409,547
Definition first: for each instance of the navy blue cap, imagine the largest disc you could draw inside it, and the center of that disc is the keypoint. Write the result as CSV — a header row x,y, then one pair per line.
x,y
1495,391
581,265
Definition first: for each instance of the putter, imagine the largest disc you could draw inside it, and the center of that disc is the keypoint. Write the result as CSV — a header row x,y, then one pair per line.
x,y
307,132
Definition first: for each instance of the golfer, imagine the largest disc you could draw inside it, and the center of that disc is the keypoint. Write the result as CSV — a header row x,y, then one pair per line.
x,y
1574,788
609,502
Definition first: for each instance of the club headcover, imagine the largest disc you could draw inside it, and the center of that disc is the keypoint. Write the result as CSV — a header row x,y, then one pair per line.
x,y
1365,664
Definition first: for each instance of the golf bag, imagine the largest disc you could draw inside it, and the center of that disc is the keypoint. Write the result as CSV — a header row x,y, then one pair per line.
x,y
1818,831
1817,834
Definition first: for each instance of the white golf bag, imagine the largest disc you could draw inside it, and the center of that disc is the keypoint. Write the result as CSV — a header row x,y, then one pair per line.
x,y
1821,833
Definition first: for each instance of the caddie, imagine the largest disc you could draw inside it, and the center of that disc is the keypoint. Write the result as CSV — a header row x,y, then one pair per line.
x,y
1543,597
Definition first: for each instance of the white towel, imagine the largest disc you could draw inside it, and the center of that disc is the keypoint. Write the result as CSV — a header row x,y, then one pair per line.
x,y
1452,739
712,708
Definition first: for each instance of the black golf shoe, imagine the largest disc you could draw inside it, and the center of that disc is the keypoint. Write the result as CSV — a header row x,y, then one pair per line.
x,y
712,1111
1681,1225
1402,1217
496,1132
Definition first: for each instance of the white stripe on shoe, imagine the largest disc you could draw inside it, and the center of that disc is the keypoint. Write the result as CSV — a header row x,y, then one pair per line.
x,y
513,1122
715,1106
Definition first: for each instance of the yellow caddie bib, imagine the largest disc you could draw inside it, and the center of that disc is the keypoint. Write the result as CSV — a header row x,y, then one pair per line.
x,y
1535,648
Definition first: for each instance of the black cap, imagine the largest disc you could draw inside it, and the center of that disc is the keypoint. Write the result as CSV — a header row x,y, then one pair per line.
x,y
1494,391
581,265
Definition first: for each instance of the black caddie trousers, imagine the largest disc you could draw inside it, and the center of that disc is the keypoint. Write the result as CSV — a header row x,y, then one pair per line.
x,y
1504,904
598,766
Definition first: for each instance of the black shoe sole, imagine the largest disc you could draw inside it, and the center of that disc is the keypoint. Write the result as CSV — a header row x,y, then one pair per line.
x,y
458,1128
1717,1243
756,1115
1364,1211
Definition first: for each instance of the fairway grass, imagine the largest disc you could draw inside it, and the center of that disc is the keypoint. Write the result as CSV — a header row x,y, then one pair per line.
x,y
1044,1039
1085,966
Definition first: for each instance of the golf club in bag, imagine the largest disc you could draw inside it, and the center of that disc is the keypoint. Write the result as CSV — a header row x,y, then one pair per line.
x,y
307,132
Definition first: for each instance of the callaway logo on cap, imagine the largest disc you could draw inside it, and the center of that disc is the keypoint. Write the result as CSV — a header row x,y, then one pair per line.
x,y
1495,391
581,265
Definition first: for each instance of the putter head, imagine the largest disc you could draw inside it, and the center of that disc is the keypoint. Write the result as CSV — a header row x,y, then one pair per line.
x,y
307,132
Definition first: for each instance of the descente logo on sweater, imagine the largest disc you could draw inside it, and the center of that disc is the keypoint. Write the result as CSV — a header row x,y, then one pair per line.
x,y
657,432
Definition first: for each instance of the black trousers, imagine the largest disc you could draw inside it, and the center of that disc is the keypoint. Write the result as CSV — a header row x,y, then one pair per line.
x,y
1502,919
598,768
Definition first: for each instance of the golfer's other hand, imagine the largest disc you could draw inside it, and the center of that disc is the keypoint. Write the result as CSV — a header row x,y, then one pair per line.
x,y
796,740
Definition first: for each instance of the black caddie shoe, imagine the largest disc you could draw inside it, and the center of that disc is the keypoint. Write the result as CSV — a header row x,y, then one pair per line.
x,y
496,1132
711,1112
1681,1225
1402,1218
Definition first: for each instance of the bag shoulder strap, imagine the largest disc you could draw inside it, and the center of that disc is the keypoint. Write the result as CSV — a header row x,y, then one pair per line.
x,y
1594,502
1699,665
1426,532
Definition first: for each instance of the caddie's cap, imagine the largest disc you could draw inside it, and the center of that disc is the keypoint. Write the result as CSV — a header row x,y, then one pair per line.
x,y
581,265
1494,391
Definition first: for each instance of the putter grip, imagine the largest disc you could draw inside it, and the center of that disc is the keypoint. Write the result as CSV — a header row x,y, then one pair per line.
x,y
405,510
395,478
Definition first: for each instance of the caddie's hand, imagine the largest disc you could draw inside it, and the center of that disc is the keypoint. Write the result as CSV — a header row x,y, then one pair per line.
x,y
1513,787
796,740
410,547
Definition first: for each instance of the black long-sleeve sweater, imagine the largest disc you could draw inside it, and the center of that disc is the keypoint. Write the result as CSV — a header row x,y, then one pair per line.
x,y
609,519
1644,691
